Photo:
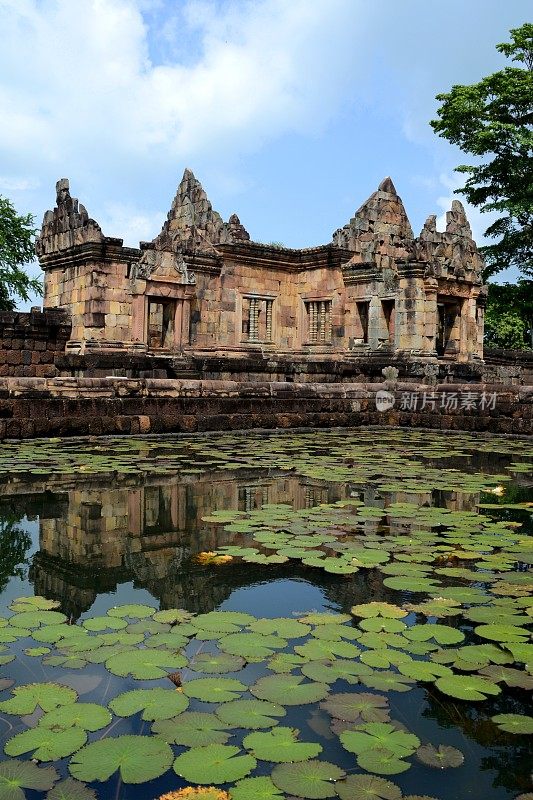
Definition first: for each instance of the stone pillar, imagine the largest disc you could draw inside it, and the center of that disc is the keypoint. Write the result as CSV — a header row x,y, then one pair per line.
x,y
374,319
178,322
430,317
138,324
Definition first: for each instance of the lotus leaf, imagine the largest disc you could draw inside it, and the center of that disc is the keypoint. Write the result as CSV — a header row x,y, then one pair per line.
x,y
250,714
288,690
384,735
443,634
387,681
381,761
502,633
514,723
69,789
154,703
172,615
351,707
32,603
214,690
192,729
133,611
144,664
284,627
308,779
89,716
377,609
172,640
251,646
138,758
47,744
467,687
330,671
260,788
440,757
280,745
285,662
43,695
367,787
35,619
318,649
216,663
214,764
15,776
104,623
324,618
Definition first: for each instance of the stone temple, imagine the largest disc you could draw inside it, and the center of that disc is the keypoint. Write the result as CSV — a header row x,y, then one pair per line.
x,y
203,289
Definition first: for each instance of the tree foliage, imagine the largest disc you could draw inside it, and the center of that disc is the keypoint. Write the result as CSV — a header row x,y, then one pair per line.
x,y
509,315
17,237
493,120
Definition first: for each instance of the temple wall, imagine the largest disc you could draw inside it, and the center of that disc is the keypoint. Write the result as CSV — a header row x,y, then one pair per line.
x,y
31,342
33,407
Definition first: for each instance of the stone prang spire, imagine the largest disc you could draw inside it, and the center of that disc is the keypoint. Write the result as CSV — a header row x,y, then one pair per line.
x,y
67,225
193,224
380,231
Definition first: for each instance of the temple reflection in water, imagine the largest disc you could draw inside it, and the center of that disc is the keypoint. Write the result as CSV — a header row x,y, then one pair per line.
x,y
93,538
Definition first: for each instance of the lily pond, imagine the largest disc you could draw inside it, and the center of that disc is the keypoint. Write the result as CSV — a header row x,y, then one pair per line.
x,y
319,614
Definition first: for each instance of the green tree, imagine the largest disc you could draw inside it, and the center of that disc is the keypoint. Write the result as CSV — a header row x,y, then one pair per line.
x,y
509,315
17,238
493,120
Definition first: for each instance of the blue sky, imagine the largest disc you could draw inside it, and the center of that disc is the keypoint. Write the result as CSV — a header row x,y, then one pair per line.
x,y
290,112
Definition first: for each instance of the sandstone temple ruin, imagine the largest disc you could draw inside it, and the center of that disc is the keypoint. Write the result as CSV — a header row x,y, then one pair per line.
x,y
203,288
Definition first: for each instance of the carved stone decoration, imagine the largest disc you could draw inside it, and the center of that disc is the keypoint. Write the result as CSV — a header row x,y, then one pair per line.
x,y
163,265
193,224
391,376
67,225
380,231
452,252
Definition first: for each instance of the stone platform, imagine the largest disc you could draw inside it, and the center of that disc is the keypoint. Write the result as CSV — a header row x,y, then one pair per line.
x,y
40,407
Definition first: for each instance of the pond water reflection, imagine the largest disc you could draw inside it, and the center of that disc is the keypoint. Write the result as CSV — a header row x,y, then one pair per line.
x,y
94,541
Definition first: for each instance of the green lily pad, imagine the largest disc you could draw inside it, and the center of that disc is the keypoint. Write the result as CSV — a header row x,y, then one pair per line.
x,y
502,633
144,664
284,627
214,690
32,603
171,640
104,623
250,714
280,745
46,744
260,788
89,716
467,687
192,729
308,779
288,690
69,789
133,611
383,735
381,761
337,669
441,757
15,776
154,703
367,787
514,723
36,619
387,681
138,759
377,609
251,646
216,663
351,707
43,695
214,764
172,615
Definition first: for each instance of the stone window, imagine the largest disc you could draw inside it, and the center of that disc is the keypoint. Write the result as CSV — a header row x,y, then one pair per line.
x,y
362,311
252,497
388,310
257,319
161,314
318,321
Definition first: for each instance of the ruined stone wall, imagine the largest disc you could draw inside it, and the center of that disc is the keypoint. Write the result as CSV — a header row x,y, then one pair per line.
x,y
32,407
31,342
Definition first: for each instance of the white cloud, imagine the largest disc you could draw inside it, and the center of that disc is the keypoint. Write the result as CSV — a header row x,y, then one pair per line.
x,y
131,224
79,86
